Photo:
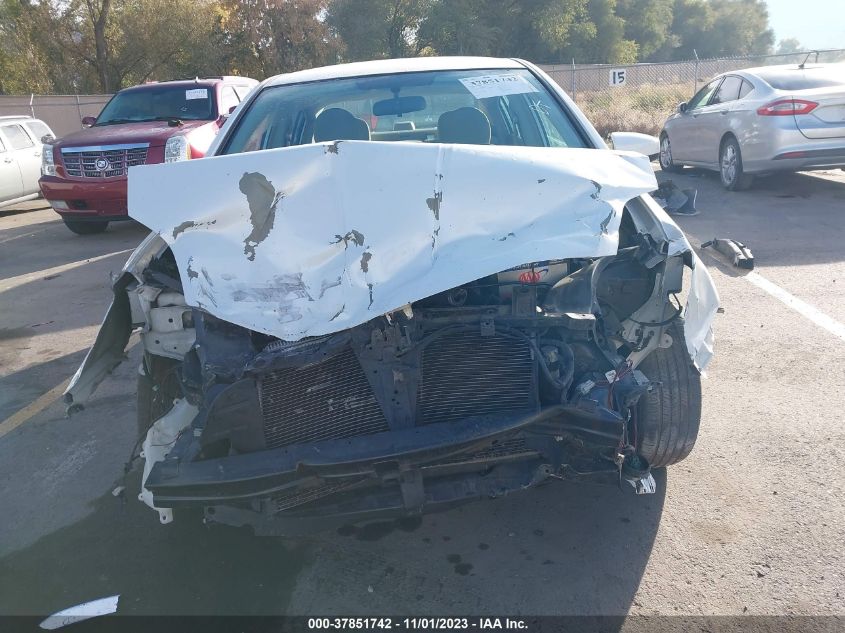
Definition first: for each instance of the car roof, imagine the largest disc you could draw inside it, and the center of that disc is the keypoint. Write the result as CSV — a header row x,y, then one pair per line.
x,y
204,82
17,117
780,70
392,66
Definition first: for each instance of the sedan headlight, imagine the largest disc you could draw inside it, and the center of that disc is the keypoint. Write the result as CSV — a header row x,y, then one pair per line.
x,y
48,165
177,148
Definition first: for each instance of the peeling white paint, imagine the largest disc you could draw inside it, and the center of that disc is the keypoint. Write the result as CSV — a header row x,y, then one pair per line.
x,y
80,612
276,229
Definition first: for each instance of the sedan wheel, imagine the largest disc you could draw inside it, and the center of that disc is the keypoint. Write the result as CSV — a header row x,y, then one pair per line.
x,y
730,167
666,162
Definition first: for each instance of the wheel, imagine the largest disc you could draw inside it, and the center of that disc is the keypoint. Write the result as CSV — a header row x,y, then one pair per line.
x,y
668,417
158,386
730,167
86,227
666,162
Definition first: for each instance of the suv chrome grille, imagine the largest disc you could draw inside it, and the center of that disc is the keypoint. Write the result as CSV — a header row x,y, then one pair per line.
x,y
103,162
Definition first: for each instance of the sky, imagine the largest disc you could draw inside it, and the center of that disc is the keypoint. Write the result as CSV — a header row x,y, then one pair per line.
x,y
814,23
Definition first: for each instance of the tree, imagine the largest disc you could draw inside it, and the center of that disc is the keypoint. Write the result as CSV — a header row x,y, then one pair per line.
x,y
31,60
647,22
602,38
266,37
374,29
789,45
457,27
718,28
97,12
540,30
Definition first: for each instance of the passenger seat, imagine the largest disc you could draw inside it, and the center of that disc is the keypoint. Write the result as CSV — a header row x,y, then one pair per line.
x,y
468,126
337,124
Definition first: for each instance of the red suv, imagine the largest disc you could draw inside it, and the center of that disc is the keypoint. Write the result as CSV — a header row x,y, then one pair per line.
x,y
84,173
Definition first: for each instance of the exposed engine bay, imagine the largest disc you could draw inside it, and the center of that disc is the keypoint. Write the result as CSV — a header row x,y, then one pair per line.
x,y
558,368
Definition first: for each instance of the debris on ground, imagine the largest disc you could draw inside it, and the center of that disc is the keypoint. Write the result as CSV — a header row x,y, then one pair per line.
x,y
674,200
736,252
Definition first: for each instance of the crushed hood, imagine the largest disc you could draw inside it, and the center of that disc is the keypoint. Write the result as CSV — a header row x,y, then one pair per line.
x,y
313,239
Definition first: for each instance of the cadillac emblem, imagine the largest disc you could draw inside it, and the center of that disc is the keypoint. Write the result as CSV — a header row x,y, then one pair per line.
x,y
102,164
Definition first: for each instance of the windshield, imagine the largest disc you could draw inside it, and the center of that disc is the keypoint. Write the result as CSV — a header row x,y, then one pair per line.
x,y
498,107
807,78
188,103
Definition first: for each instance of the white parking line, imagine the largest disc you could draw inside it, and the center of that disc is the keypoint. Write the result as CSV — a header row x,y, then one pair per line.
x,y
13,282
801,307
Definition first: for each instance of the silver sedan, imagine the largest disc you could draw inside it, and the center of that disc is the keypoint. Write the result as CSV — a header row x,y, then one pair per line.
x,y
758,121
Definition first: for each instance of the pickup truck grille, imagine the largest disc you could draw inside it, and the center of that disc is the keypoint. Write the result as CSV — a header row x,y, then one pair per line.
x,y
103,162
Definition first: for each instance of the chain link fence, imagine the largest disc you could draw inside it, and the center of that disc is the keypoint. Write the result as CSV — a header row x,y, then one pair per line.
x,y
625,98
63,113
639,97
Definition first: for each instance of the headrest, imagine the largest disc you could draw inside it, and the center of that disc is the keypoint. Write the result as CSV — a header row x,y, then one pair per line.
x,y
337,124
464,125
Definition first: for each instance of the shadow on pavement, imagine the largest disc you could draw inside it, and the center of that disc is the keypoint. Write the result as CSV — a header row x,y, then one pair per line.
x,y
20,388
586,556
56,246
9,211
779,213
120,548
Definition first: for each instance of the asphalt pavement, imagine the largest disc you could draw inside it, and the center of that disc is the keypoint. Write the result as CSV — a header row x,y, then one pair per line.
x,y
751,523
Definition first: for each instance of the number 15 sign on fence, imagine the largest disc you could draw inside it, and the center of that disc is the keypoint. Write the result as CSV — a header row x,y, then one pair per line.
x,y
618,77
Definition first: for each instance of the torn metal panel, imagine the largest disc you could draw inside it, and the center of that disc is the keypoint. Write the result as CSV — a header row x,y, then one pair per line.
x,y
106,353
261,239
703,298
701,308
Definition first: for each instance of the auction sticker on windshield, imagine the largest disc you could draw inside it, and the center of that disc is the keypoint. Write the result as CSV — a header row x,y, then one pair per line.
x,y
196,93
486,86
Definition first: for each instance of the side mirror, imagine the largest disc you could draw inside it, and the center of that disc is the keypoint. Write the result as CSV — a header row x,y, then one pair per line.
x,y
222,118
88,121
682,107
635,142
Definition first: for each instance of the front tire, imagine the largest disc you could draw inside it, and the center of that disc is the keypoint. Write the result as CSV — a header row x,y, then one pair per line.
x,y
668,417
730,167
85,227
666,161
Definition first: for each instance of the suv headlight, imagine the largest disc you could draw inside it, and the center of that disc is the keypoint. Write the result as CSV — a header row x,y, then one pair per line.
x,y
48,165
177,148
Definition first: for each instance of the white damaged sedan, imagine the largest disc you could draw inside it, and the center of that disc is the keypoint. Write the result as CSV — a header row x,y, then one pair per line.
x,y
397,286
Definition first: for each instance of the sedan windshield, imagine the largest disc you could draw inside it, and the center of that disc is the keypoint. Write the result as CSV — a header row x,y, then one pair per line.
x,y
498,107
189,103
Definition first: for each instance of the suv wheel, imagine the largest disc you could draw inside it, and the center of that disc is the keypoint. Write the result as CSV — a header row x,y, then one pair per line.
x,y
666,162
730,167
669,416
85,227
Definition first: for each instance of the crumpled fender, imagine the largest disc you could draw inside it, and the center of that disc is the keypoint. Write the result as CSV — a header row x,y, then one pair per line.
x,y
108,349
703,298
